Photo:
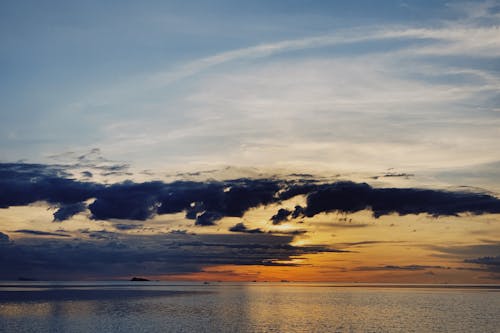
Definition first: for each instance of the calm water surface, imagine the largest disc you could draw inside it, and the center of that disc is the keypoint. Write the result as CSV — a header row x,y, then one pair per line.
x,y
244,307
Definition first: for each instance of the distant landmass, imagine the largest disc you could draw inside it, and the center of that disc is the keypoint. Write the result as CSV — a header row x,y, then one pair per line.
x,y
138,279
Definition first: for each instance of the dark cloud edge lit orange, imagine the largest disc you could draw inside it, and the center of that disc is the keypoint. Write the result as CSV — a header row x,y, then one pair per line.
x,y
190,255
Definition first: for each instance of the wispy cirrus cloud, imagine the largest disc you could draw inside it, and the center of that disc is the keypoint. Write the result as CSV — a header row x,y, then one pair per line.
x,y
460,39
422,90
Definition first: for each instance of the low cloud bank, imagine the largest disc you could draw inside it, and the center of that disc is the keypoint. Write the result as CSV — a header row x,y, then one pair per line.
x,y
207,202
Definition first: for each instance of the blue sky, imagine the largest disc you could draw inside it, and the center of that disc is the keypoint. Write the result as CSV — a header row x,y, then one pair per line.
x,y
267,84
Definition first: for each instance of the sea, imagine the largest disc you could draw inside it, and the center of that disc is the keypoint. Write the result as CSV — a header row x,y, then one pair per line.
x,y
125,306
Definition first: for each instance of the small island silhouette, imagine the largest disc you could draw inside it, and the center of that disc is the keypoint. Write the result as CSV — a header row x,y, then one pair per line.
x,y
138,279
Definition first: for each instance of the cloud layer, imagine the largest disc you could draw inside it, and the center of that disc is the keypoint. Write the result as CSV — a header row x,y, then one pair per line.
x,y
108,254
208,202
123,252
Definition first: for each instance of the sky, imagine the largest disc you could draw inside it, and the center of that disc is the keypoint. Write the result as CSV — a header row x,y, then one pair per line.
x,y
250,140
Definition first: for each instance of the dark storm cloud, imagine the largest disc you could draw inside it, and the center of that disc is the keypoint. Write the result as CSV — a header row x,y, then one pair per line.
x,y
126,200
118,168
349,197
397,268
404,175
288,232
240,227
210,201
298,211
490,261
207,202
40,233
485,249
395,175
197,173
485,256
346,225
281,216
66,211
123,226
101,234
246,193
298,189
301,175
491,264
131,255
367,242
22,184
4,238
87,174
207,218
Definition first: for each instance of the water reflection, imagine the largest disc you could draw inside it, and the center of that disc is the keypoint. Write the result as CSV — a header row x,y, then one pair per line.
x,y
250,308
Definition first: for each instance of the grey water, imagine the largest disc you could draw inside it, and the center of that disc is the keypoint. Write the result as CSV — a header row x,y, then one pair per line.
x,y
246,307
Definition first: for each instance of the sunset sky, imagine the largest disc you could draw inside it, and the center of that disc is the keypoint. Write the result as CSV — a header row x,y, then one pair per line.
x,y
345,141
